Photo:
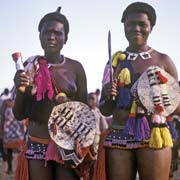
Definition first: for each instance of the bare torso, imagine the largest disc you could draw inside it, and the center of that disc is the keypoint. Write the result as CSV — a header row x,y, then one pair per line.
x,y
64,77
139,65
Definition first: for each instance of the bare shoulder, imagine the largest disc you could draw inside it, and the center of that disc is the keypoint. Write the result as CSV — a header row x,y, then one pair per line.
x,y
75,64
166,63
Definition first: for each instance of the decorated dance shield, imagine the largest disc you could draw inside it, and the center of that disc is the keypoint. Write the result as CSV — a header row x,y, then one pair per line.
x,y
158,91
72,122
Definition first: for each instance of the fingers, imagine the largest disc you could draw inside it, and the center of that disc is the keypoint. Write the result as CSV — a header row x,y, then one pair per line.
x,y
21,78
110,89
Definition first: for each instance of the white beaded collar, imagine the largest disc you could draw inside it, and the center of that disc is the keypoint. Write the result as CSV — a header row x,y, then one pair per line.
x,y
144,55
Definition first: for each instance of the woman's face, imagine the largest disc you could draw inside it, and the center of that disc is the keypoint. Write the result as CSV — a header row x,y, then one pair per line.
x,y
137,27
52,37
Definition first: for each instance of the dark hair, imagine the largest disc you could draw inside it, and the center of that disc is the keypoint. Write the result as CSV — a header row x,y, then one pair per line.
x,y
55,16
140,7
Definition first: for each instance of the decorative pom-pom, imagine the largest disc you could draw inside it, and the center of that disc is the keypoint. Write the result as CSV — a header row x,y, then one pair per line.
x,y
122,56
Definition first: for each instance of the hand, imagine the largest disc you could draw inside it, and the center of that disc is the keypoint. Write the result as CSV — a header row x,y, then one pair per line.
x,y
110,89
21,79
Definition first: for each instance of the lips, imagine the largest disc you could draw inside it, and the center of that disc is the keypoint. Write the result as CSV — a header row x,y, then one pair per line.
x,y
51,44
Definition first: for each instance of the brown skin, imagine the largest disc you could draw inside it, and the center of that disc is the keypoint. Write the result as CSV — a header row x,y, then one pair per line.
x,y
123,164
69,78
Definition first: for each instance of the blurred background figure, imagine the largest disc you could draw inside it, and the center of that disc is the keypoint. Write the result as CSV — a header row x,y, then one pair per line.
x,y
3,97
176,146
13,134
101,122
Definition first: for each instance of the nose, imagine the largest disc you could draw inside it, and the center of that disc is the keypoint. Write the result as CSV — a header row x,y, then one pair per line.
x,y
51,35
137,27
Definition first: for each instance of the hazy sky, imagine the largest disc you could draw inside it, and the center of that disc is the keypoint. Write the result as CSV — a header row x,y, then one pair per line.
x,y
89,21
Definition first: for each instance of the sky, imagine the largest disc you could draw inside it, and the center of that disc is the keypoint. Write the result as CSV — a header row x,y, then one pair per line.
x,y
90,21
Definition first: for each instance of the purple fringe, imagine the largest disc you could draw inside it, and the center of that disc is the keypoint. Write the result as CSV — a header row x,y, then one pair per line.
x,y
130,126
142,129
139,128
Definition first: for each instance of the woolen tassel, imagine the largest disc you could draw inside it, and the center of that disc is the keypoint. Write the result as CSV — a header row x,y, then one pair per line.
x,y
130,127
159,108
115,59
173,130
156,140
125,76
166,136
158,119
162,78
124,98
43,81
142,129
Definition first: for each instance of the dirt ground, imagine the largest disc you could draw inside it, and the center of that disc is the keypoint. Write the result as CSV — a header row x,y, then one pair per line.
x,y
3,169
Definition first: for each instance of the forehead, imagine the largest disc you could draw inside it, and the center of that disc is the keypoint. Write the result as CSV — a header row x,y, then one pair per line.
x,y
136,16
56,25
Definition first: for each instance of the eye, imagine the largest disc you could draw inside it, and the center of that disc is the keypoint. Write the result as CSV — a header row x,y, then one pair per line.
x,y
59,33
142,24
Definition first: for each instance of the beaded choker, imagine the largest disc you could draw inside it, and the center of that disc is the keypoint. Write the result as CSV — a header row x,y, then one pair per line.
x,y
144,55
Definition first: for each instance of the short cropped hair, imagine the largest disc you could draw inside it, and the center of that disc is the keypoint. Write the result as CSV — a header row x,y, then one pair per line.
x,y
140,7
55,16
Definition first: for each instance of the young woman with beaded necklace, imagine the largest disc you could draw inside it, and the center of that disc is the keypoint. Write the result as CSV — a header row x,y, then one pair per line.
x,y
121,155
57,79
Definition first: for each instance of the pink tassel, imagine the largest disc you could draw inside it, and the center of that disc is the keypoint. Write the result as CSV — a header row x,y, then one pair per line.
x,y
43,81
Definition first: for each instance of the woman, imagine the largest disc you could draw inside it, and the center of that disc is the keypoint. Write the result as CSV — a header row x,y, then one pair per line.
x,y
13,134
52,79
137,140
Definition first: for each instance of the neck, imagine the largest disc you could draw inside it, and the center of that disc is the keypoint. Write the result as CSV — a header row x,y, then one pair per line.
x,y
53,58
138,49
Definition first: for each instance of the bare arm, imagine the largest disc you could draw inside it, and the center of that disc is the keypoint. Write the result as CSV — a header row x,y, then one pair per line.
x,y
22,100
81,94
171,69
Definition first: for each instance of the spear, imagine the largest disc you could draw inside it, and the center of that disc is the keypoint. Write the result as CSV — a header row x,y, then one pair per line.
x,y
110,60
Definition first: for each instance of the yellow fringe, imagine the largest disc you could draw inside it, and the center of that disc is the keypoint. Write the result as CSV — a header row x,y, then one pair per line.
x,y
156,140
160,137
166,136
124,76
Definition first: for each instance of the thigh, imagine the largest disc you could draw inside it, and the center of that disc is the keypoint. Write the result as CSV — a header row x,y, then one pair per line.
x,y
38,170
154,164
120,164
64,173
